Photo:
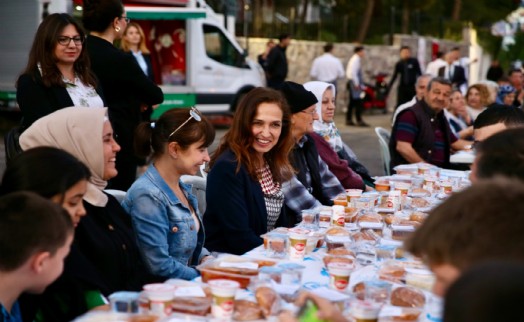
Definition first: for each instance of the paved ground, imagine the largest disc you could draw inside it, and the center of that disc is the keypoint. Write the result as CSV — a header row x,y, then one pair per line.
x,y
362,140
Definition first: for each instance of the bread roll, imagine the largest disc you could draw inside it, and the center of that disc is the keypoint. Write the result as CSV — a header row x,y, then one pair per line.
x,y
407,297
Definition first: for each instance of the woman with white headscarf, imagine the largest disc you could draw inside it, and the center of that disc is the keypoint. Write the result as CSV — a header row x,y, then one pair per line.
x,y
327,138
326,128
104,236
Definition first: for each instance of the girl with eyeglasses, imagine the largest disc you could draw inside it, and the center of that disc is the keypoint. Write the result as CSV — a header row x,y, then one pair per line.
x,y
58,72
127,89
164,212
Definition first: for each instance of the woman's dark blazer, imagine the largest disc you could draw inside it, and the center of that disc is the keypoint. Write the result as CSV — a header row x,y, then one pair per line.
x,y
125,87
236,213
36,100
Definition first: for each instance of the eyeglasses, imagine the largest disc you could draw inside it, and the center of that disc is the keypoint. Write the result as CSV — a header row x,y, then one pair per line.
x,y
126,19
313,112
193,114
65,41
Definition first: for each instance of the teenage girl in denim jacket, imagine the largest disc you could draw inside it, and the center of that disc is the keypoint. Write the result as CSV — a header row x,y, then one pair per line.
x,y
164,213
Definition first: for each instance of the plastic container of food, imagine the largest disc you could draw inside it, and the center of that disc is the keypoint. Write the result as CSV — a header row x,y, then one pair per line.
x,y
194,305
235,268
124,302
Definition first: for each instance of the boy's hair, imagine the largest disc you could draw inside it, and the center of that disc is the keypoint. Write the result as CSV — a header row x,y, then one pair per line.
x,y
358,49
491,291
509,115
30,224
481,223
501,154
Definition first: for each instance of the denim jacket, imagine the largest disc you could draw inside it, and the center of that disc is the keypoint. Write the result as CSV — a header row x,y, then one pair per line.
x,y
165,229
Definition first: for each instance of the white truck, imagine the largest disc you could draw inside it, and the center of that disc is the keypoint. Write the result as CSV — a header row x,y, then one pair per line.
x,y
196,61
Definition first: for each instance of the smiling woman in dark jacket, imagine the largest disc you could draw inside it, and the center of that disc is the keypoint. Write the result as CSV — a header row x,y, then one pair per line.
x,y
244,195
58,71
126,88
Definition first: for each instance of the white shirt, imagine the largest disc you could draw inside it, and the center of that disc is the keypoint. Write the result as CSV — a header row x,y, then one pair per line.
x,y
474,112
457,119
402,107
140,60
434,66
326,68
82,94
353,68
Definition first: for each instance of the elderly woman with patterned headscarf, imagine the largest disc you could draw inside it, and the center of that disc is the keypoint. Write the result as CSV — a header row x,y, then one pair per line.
x,y
506,95
344,163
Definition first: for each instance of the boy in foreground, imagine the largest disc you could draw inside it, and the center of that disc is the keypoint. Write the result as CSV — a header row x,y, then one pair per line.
x,y
35,236
480,224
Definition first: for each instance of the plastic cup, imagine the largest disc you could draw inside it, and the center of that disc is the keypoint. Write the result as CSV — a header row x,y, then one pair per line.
x,y
339,216
292,273
429,183
423,168
124,302
339,274
365,311
446,187
297,243
364,203
373,195
276,245
160,298
341,202
353,194
324,218
382,186
402,187
310,219
223,292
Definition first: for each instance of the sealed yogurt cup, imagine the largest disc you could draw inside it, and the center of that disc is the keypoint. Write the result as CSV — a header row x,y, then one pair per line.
x,y
339,274
160,297
297,243
223,292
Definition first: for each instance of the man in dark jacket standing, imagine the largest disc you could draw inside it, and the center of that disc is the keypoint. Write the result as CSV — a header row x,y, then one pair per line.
x,y
276,62
409,70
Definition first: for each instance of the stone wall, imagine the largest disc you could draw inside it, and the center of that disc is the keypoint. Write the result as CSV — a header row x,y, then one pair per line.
x,y
301,53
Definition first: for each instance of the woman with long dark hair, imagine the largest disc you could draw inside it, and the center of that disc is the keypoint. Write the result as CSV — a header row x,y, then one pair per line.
x,y
58,72
243,194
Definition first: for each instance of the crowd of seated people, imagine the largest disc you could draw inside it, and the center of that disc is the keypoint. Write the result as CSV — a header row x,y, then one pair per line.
x,y
282,154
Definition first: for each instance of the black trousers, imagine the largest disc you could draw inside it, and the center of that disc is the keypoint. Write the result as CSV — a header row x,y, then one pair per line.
x,y
358,106
405,94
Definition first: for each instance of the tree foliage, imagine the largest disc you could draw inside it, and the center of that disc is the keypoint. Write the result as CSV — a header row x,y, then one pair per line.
x,y
370,21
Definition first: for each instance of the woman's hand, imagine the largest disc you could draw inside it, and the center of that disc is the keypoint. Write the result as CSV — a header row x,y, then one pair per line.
x,y
206,258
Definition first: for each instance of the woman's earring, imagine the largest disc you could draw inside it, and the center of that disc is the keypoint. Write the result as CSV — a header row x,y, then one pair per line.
x,y
117,29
